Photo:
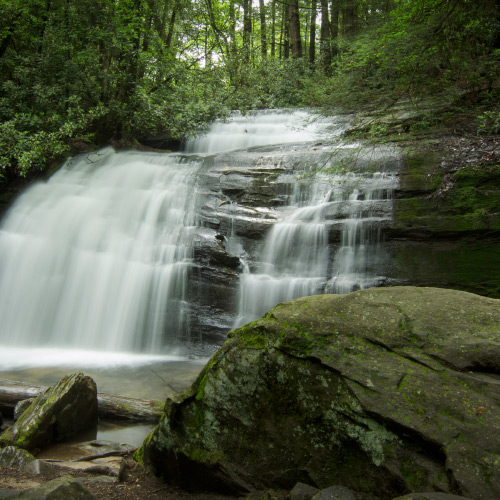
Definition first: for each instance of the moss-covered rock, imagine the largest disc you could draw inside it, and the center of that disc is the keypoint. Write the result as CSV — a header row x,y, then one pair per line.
x,y
55,414
385,391
15,457
436,201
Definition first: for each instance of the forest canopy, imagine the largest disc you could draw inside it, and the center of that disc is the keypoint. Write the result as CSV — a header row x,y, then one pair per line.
x,y
93,71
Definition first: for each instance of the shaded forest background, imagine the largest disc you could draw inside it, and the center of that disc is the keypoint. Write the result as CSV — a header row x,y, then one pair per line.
x,y
82,73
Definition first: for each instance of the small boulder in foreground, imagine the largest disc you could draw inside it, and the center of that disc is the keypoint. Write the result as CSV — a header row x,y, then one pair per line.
x,y
56,414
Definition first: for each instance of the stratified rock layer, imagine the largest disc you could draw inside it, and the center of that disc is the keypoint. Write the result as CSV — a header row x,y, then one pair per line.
x,y
385,391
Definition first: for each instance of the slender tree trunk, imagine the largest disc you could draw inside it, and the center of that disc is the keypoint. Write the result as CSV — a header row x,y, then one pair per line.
x,y
148,22
325,45
208,52
305,40
349,18
286,31
334,27
171,26
247,29
232,29
273,28
294,19
312,35
263,38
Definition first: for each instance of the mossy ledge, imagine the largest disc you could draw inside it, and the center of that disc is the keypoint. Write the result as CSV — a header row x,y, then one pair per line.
x,y
386,391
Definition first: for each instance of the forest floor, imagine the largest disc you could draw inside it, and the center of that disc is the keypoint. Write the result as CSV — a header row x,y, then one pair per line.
x,y
136,485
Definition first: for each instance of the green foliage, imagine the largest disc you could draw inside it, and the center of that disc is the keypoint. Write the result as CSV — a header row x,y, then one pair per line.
x,y
271,84
419,48
489,122
94,71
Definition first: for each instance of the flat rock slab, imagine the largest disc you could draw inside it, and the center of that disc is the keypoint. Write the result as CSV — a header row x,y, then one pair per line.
x,y
109,466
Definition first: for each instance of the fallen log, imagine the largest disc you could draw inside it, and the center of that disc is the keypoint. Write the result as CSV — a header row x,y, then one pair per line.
x,y
110,406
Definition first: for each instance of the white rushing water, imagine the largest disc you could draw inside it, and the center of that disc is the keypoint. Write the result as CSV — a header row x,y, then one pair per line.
x,y
261,129
98,255
99,258
298,258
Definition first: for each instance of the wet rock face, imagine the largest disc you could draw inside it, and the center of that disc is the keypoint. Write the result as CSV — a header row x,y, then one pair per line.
x,y
242,195
384,391
446,224
55,414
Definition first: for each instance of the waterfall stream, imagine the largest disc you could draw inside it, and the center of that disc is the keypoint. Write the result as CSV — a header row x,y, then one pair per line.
x,y
140,252
298,257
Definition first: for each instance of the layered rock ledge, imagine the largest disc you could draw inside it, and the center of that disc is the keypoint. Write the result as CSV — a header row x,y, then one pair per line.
x,y
385,391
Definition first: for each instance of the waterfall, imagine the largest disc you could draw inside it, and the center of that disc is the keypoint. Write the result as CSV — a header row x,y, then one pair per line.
x,y
98,256
260,129
139,252
298,258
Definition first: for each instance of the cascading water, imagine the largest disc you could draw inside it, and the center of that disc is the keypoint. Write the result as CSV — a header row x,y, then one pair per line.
x,y
258,129
137,252
299,257
98,256
368,202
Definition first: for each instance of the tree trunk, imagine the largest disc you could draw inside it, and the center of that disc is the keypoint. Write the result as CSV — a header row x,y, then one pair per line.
x,y
334,27
273,28
263,38
232,30
109,406
325,44
295,40
286,31
349,18
171,26
312,35
247,29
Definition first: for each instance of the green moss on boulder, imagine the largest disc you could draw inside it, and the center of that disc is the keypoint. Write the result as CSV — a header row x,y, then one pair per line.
x,y
55,414
385,391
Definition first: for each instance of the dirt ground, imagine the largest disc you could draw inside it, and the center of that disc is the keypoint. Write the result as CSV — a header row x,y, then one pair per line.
x,y
136,485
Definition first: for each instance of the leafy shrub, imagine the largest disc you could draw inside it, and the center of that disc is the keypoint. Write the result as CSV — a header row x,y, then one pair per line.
x,y
489,122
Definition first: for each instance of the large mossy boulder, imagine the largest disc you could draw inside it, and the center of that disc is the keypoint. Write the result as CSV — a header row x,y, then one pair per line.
x,y
55,414
385,391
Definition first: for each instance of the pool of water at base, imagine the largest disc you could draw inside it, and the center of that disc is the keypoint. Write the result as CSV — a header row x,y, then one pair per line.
x,y
130,375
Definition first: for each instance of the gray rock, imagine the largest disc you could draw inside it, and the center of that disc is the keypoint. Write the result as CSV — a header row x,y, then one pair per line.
x,y
21,407
62,488
39,468
383,390
431,496
56,414
12,456
335,493
101,446
302,491
5,494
